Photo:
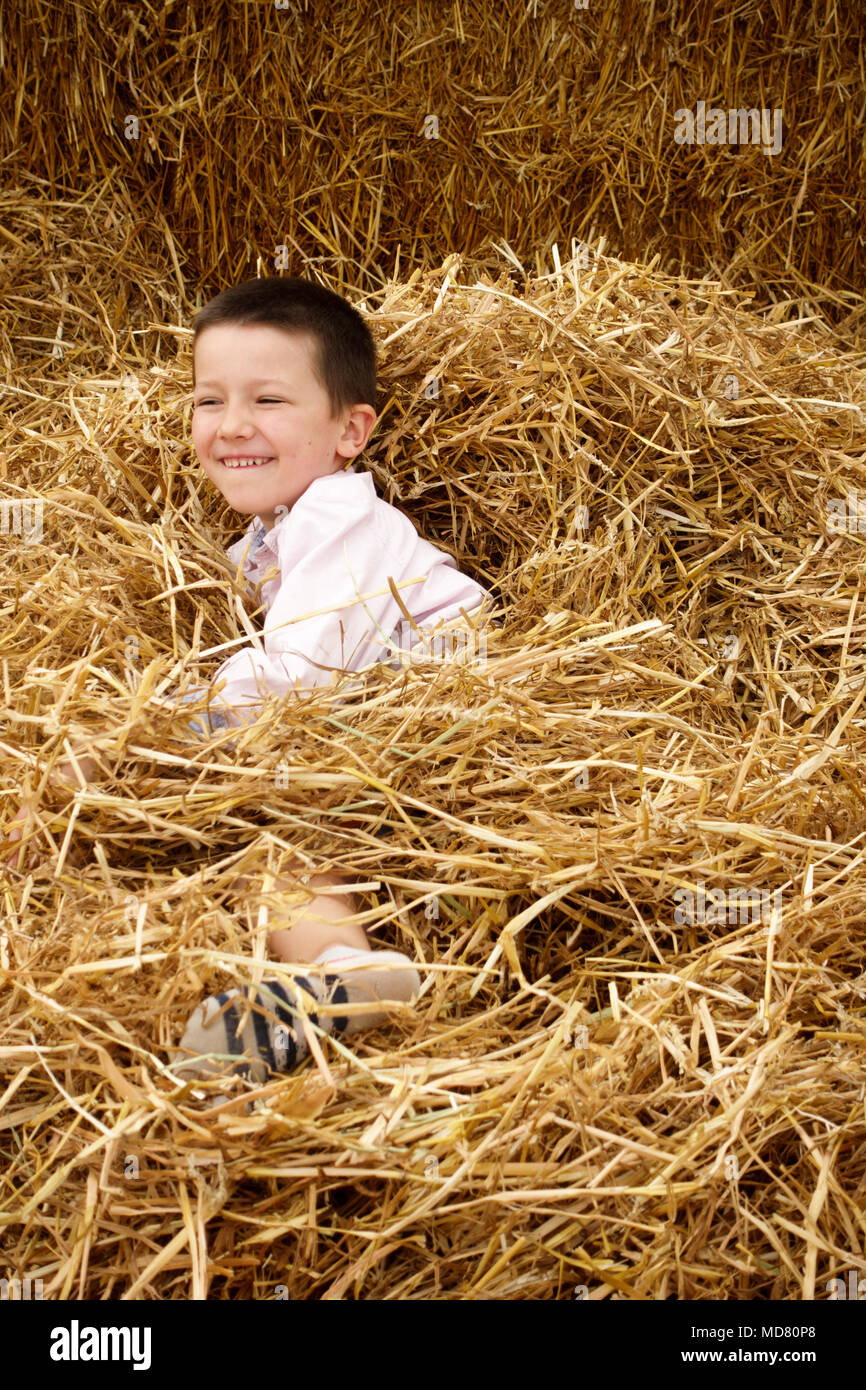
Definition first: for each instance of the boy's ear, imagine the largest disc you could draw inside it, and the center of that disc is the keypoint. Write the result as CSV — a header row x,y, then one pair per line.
x,y
368,413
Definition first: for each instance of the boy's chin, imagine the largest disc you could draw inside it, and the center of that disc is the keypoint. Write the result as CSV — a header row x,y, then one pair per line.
x,y
242,509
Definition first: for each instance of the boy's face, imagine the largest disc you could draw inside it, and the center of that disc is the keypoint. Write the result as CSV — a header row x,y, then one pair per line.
x,y
256,397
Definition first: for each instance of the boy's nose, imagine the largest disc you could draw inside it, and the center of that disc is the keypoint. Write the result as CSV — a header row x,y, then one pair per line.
x,y
231,426
233,421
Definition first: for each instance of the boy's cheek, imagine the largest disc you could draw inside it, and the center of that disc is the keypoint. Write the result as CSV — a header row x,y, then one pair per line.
x,y
197,440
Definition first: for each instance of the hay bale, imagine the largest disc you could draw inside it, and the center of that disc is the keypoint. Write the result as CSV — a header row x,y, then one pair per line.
x,y
355,137
591,1081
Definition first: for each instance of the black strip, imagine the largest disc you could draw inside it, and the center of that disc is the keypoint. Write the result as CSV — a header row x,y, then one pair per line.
x,y
283,1006
232,1021
263,1037
286,1011
291,1044
336,993
226,1017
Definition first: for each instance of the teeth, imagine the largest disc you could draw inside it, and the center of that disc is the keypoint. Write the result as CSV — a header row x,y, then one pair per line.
x,y
244,463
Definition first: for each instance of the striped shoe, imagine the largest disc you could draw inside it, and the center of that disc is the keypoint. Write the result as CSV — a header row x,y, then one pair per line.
x,y
366,982
272,1037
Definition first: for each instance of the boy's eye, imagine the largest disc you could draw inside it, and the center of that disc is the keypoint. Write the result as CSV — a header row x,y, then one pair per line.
x,y
267,400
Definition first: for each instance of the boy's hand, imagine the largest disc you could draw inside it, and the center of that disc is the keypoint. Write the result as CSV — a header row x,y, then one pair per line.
x,y
18,826
64,773
25,819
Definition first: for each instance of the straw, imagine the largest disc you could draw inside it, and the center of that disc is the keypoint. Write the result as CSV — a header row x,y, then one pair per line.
x,y
594,1094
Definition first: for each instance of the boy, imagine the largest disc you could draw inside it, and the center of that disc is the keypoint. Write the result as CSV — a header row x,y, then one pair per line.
x,y
284,381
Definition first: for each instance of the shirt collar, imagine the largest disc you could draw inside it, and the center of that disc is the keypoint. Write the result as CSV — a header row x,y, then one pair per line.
x,y
263,536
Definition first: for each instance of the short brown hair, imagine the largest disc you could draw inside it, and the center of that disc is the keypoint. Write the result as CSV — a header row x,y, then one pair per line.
x,y
344,353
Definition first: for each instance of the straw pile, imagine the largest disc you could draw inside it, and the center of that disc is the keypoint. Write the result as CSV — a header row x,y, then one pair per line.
x,y
594,1096
344,132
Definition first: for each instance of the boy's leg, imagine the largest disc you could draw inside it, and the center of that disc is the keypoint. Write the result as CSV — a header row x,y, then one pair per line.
x,y
318,930
302,925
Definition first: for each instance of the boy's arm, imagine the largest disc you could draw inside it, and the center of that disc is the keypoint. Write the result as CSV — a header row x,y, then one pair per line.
x,y
335,608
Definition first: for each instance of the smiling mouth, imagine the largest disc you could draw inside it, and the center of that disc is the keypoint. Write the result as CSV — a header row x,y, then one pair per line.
x,y
257,462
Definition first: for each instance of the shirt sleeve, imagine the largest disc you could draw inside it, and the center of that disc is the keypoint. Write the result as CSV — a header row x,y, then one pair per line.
x,y
207,720
334,610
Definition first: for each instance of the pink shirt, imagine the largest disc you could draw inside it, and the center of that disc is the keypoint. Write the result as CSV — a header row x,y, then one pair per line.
x,y
328,603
